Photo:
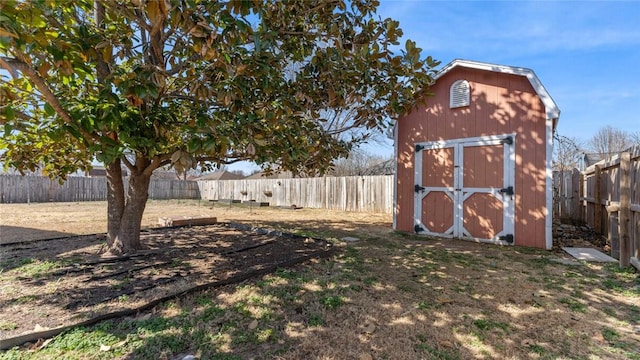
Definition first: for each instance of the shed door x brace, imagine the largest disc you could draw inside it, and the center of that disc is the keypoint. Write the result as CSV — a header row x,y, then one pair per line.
x,y
464,188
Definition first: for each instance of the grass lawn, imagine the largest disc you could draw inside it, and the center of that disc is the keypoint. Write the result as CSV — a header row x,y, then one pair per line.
x,y
387,296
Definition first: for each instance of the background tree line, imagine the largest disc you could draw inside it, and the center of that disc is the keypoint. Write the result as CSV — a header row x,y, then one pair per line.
x,y
570,152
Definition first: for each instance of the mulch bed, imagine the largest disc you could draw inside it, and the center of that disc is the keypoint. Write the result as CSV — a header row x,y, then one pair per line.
x,y
80,285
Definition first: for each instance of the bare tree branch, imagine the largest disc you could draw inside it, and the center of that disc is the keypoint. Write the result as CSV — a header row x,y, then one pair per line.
x,y
608,141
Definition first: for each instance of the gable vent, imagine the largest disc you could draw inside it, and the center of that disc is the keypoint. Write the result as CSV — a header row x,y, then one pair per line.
x,y
459,94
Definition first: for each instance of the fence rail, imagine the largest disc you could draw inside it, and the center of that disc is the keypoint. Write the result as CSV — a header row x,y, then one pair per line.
x,y
606,196
349,193
24,189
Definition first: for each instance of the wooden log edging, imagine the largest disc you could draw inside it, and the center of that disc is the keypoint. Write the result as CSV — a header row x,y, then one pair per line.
x,y
9,343
35,241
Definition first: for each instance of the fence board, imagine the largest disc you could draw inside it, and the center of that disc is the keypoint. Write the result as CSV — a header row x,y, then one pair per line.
x,y
624,191
564,204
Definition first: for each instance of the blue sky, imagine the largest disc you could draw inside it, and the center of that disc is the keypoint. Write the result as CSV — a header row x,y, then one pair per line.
x,y
586,53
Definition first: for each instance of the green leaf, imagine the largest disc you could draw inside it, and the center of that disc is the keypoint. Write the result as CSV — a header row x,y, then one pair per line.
x,y
73,131
38,22
48,109
194,145
9,113
210,144
256,41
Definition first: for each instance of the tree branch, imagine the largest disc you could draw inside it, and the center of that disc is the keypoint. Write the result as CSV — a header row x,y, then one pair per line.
x,y
178,68
14,65
102,67
229,162
22,115
224,161
158,161
128,164
4,63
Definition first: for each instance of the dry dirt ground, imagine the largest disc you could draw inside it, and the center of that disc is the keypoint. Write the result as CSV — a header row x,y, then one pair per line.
x,y
386,296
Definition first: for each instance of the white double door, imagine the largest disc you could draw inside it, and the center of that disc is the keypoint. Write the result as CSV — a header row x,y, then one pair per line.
x,y
464,188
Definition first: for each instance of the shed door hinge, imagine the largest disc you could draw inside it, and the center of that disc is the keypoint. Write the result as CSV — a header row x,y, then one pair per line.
x,y
508,140
419,147
418,188
508,238
418,228
507,191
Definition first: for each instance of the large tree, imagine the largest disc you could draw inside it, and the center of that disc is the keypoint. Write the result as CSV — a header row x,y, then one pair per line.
x,y
359,162
144,84
608,141
567,153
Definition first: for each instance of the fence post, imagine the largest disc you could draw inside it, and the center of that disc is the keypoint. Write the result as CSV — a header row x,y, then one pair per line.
x,y
625,209
28,190
582,206
597,214
575,193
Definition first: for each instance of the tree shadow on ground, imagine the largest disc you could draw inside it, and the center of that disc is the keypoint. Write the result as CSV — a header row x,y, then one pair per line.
x,y
326,228
16,234
29,245
60,288
395,296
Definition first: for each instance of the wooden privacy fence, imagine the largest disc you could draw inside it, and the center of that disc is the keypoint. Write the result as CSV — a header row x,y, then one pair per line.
x,y
611,198
23,189
349,193
606,196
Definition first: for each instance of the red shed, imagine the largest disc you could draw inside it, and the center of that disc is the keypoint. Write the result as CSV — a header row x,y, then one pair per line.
x,y
475,162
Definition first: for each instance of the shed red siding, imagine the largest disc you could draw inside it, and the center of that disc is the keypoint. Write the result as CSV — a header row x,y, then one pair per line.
x,y
501,103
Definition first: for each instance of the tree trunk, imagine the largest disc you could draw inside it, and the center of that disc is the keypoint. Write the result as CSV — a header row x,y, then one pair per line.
x,y
125,210
115,199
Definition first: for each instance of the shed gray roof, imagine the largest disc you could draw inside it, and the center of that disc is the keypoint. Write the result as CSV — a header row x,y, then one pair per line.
x,y
219,175
274,175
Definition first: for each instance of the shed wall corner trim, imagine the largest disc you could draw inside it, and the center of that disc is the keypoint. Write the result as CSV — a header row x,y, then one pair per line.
x,y
549,185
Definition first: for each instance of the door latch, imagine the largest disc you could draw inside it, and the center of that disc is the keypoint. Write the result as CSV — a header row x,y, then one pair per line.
x,y
508,238
507,191
508,140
